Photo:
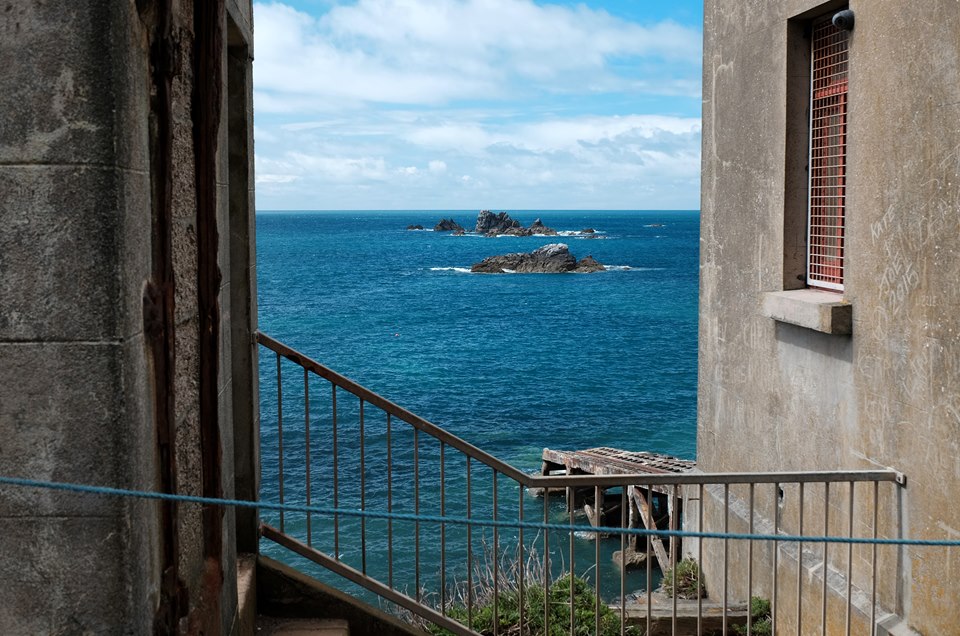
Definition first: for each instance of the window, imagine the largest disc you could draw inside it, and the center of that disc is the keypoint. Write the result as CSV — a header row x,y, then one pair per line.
x,y
828,156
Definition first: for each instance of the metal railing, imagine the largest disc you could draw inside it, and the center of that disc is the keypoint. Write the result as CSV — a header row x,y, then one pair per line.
x,y
409,499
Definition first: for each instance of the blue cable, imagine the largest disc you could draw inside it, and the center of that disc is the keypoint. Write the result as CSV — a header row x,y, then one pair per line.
x,y
399,516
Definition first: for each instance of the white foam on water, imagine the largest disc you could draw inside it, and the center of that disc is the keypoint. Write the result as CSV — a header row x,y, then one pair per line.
x,y
462,270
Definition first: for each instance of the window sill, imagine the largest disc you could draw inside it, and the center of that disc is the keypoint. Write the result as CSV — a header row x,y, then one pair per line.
x,y
822,311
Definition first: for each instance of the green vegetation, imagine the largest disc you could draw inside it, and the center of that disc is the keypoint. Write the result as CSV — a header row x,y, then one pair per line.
x,y
760,618
533,571
508,611
687,574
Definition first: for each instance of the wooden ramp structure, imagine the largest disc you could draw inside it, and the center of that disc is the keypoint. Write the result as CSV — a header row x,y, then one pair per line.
x,y
656,507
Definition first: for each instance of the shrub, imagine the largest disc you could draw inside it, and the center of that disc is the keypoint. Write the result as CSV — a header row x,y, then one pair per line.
x,y
508,611
508,602
687,575
760,618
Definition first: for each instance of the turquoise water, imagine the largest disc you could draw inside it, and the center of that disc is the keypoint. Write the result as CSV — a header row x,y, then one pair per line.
x,y
511,363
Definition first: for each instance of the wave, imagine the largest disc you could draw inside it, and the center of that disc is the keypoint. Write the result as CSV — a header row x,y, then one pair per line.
x,y
585,534
630,268
462,270
579,232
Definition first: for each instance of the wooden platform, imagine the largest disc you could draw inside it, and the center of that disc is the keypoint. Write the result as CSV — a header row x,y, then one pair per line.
x,y
655,507
613,461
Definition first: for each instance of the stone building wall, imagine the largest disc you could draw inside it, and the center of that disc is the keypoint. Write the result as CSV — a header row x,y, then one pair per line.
x,y
79,236
887,394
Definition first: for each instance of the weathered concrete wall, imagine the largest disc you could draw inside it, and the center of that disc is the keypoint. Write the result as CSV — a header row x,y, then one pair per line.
x,y
885,396
74,253
77,246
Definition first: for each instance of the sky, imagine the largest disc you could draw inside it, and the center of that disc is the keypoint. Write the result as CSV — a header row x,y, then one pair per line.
x,y
470,104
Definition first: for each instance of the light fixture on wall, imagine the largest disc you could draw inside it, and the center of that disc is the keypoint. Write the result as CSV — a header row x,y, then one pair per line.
x,y
843,20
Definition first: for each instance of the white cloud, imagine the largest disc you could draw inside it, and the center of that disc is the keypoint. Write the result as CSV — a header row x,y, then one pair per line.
x,y
473,103
548,136
652,161
441,51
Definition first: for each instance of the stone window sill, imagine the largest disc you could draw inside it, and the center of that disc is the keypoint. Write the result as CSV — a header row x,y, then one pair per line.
x,y
822,311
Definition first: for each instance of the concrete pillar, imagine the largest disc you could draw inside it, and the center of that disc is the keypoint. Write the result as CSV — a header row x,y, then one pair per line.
x,y
75,223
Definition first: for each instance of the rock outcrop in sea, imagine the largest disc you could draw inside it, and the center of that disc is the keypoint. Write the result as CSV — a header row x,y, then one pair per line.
x,y
537,227
448,225
549,259
488,222
414,227
502,224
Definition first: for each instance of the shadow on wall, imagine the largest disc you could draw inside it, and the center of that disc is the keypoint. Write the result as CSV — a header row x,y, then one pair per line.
x,y
839,348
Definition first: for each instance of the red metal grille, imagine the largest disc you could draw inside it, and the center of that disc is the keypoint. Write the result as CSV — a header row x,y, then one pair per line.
x,y
828,157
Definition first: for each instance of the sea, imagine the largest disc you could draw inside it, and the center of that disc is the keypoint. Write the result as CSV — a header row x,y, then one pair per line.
x,y
511,363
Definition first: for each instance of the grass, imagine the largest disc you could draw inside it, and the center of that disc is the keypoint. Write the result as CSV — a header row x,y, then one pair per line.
x,y
688,581
501,608
508,620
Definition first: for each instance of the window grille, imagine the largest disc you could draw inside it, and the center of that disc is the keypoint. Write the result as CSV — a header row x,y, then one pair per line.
x,y
828,157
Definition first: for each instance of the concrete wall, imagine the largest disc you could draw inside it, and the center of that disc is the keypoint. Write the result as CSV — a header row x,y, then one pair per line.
x,y
799,399
77,247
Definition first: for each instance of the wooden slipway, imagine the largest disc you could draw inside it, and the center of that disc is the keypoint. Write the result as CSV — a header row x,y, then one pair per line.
x,y
656,507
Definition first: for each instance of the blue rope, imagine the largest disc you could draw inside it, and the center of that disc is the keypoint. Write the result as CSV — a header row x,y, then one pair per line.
x,y
399,516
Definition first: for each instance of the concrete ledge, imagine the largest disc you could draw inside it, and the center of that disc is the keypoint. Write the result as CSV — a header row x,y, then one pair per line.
x,y
822,311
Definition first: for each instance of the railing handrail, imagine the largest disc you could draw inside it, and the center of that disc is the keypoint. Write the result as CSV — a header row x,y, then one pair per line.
x,y
565,481
390,407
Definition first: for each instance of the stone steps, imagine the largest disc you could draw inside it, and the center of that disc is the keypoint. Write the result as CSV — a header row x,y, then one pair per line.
x,y
270,626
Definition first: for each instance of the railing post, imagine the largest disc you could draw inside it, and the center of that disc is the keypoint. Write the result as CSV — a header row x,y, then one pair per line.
x,y
776,529
469,550
280,436
826,561
546,564
416,508
336,477
306,442
598,501
363,496
699,559
750,568
726,550
873,559
800,565
496,561
850,561
389,504
443,531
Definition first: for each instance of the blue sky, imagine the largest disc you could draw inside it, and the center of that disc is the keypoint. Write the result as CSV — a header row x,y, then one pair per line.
x,y
469,104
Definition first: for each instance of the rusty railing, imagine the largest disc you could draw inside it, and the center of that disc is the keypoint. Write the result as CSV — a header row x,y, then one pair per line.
x,y
451,534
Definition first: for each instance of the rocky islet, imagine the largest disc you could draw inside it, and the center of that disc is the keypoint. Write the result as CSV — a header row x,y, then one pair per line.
x,y
554,258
